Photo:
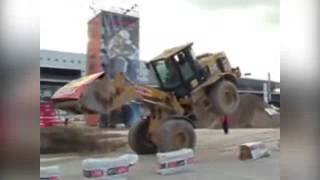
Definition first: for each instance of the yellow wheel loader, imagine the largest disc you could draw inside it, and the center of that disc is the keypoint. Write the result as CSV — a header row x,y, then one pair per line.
x,y
192,92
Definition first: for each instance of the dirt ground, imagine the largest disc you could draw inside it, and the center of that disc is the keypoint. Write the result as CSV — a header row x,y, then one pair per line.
x,y
62,139
216,157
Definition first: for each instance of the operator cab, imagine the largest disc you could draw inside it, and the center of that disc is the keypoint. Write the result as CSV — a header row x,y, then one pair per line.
x,y
177,70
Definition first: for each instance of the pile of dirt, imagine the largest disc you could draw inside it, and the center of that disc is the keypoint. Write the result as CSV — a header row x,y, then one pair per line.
x,y
251,114
77,139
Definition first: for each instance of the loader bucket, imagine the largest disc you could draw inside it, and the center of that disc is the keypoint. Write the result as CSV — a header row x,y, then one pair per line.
x,y
88,95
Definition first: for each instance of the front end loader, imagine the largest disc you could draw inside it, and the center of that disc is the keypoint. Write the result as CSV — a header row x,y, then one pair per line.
x,y
192,92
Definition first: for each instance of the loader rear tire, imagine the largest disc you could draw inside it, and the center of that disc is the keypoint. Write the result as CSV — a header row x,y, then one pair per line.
x,y
175,135
224,97
138,139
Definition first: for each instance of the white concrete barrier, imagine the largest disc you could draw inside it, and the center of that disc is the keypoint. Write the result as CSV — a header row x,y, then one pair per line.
x,y
253,150
50,173
109,168
175,161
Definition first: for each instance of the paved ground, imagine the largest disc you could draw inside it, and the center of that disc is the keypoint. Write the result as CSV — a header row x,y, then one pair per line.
x,y
216,158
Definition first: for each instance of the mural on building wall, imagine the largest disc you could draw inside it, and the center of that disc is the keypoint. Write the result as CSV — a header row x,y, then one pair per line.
x,y
120,50
113,46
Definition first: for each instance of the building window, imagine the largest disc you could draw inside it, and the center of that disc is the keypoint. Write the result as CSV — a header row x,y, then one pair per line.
x,y
48,59
64,60
79,62
72,61
56,60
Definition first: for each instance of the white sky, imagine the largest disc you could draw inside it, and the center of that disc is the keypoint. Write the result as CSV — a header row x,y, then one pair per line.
x,y
246,32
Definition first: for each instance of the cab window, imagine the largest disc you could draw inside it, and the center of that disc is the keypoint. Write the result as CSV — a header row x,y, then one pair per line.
x,y
168,75
185,67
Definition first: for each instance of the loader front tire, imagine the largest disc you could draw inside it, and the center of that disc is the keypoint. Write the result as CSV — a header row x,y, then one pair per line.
x,y
175,135
138,139
224,97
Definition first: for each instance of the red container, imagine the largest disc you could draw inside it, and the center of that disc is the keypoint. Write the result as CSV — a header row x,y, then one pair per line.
x,y
92,120
48,115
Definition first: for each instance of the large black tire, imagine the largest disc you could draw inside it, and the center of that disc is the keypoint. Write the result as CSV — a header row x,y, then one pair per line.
x,y
138,140
224,97
176,134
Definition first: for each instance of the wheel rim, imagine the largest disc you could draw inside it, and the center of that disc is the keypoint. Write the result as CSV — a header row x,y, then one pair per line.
x,y
181,140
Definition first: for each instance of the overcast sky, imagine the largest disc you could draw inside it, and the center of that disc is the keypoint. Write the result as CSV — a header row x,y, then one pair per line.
x,y
247,30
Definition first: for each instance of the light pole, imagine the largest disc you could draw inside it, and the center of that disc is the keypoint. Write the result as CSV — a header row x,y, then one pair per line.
x,y
269,86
